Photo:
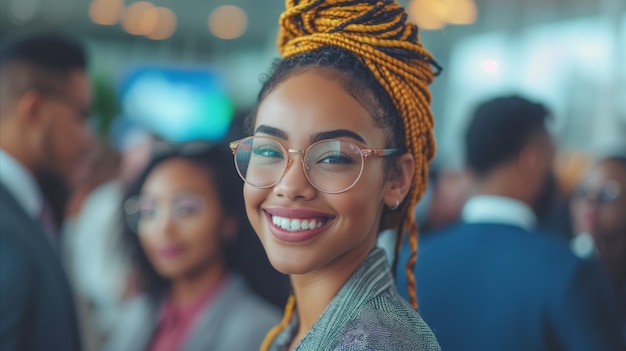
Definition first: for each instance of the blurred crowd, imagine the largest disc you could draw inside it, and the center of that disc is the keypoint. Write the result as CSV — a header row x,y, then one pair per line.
x,y
508,241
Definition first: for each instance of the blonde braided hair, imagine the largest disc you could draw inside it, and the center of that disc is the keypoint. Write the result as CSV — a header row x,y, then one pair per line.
x,y
377,33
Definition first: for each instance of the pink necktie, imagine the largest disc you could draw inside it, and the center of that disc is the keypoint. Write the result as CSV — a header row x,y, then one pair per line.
x,y
47,221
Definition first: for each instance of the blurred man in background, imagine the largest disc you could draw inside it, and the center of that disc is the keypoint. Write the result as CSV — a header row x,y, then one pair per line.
x,y
97,268
45,99
599,212
494,281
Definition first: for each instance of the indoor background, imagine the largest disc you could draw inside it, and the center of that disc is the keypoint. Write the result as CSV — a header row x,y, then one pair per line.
x,y
187,68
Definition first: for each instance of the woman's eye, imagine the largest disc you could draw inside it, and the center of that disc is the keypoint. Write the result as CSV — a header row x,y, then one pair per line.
x,y
606,196
147,213
186,210
335,158
268,152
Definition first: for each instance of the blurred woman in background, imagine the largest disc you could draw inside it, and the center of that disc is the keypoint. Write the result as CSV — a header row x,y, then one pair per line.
x,y
599,213
183,217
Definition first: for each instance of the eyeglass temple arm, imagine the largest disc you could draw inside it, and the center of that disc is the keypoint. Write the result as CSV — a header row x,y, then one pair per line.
x,y
379,152
233,146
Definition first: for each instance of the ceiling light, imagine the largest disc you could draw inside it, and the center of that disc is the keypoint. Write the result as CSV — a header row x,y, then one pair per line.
x,y
428,14
132,18
22,11
106,12
165,25
228,22
460,11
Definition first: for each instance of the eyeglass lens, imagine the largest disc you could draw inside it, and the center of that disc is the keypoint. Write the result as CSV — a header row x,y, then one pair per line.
x,y
607,193
331,166
144,212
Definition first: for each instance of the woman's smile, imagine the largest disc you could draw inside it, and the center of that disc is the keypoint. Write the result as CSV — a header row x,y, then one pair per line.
x,y
296,225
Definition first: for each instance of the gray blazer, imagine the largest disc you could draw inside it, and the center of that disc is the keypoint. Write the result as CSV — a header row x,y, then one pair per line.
x,y
235,320
36,304
367,314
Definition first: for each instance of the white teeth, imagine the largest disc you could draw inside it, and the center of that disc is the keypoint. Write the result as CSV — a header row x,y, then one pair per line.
x,y
293,225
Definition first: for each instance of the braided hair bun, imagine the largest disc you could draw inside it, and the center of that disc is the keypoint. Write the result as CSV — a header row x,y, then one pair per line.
x,y
377,32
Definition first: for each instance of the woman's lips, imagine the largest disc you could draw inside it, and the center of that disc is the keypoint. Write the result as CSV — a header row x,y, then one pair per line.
x,y
296,225
587,221
170,251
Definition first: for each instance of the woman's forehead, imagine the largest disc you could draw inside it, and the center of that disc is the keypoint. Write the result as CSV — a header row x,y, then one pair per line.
x,y
607,171
311,102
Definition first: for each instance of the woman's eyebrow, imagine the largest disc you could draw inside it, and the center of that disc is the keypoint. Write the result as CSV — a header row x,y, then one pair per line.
x,y
331,134
338,133
275,132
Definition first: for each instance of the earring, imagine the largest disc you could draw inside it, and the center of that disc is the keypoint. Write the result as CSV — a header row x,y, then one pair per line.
x,y
395,207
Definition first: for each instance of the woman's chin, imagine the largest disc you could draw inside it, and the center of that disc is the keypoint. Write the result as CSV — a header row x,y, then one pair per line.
x,y
287,265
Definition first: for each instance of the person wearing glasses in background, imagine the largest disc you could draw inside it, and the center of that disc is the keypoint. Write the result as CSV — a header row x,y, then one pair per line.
x,y
341,141
599,213
45,99
183,216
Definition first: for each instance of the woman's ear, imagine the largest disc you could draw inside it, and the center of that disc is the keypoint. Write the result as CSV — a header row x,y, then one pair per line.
x,y
399,181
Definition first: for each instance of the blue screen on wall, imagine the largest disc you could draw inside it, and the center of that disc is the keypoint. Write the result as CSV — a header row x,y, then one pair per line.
x,y
177,104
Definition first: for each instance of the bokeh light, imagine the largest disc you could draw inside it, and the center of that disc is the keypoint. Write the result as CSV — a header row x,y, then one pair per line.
x,y
436,14
132,18
106,12
460,11
427,14
22,11
148,21
165,24
228,22
490,66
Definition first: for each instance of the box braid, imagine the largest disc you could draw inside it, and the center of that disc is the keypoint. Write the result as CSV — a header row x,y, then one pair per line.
x,y
378,57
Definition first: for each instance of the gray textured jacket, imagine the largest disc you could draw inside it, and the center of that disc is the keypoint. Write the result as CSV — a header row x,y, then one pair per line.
x,y
366,314
235,320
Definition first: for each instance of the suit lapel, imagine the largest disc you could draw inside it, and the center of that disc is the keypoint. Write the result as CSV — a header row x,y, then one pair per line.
x,y
207,328
27,228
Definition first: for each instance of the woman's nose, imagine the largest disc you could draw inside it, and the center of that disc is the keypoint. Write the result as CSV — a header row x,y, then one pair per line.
x,y
294,184
164,225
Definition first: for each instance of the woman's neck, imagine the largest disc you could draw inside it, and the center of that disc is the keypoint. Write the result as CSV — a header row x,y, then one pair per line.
x,y
314,291
190,287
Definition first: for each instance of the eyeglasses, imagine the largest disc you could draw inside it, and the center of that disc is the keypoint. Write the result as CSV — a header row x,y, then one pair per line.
x,y
609,192
331,166
145,212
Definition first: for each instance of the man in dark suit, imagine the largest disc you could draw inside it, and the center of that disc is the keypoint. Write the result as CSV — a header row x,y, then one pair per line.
x,y
44,104
494,281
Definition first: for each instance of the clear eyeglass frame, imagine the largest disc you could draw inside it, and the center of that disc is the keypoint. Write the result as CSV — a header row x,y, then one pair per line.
x,y
132,211
608,193
365,153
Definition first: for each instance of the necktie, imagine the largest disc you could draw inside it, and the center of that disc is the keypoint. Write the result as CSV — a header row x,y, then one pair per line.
x,y
47,221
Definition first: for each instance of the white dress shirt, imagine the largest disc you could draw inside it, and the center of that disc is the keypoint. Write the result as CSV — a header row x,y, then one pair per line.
x,y
21,184
498,209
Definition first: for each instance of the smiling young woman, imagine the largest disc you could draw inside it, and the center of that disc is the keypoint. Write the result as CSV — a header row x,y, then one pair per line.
x,y
340,145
